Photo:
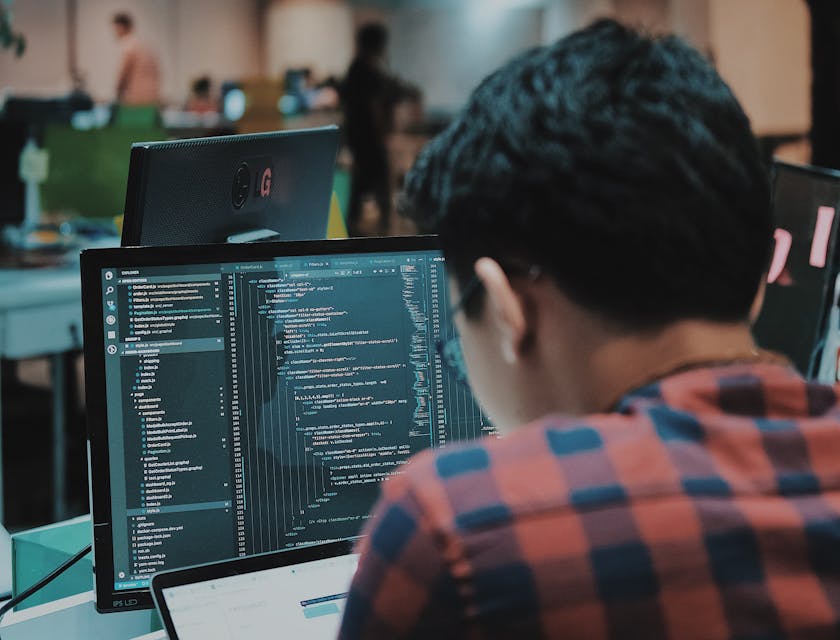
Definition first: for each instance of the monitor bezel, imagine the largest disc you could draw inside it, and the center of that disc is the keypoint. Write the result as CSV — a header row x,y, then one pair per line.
x,y
239,566
808,169
107,599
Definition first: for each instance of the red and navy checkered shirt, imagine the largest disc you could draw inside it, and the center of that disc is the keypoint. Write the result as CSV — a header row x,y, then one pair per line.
x,y
707,506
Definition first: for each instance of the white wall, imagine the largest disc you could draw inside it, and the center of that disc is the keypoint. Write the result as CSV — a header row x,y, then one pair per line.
x,y
762,50
192,37
43,66
448,52
690,19
651,15
687,18
561,17
308,33
760,47
219,38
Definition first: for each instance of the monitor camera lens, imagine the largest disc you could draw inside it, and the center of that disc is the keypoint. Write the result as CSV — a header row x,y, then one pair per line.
x,y
241,184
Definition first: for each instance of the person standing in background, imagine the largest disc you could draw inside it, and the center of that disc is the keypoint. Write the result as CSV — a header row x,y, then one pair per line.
x,y
368,96
138,81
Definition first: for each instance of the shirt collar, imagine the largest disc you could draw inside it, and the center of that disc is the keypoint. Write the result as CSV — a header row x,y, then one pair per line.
x,y
747,364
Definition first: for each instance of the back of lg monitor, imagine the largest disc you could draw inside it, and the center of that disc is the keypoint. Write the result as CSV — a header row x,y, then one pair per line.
x,y
211,190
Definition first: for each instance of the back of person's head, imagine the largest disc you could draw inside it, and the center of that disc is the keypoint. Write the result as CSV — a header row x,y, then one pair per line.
x,y
201,86
372,39
618,163
124,20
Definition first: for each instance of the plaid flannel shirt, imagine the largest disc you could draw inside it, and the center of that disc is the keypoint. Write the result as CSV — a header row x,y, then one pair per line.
x,y
707,506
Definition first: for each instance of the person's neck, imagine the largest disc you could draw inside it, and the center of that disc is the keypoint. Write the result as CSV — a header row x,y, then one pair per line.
x,y
609,366
623,364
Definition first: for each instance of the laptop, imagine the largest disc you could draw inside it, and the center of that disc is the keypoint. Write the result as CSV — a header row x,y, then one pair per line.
x,y
299,593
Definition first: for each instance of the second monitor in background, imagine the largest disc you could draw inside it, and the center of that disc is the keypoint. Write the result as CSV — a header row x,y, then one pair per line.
x,y
231,188
801,274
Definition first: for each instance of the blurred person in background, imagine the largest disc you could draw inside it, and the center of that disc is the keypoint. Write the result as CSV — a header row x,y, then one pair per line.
x,y
201,99
368,97
138,81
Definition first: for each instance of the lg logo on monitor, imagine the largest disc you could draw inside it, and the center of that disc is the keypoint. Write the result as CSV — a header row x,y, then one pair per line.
x,y
252,184
265,183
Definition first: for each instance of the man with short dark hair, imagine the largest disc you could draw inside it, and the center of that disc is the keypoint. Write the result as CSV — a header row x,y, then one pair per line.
x,y
604,213
138,80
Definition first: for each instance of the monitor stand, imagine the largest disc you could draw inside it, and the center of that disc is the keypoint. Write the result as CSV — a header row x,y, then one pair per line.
x,y
256,235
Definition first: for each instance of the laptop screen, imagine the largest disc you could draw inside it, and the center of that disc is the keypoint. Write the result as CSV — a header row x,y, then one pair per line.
x,y
253,405
298,601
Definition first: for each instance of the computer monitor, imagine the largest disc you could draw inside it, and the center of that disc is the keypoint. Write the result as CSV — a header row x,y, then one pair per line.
x,y
805,205
230,188
249,398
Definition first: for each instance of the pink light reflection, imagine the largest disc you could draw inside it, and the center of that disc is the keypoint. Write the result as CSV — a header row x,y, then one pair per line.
x,y
822,234
780,255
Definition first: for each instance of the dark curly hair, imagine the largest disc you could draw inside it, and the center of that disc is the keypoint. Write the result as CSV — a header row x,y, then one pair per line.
x,y
621,164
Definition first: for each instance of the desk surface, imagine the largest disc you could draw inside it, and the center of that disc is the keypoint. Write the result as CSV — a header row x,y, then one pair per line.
x,y
40,311
41,308
75,618
35,287
48,285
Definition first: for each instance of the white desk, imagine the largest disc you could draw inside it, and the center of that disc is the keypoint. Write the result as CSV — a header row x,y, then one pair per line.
x,y
41,315
5,561
75,618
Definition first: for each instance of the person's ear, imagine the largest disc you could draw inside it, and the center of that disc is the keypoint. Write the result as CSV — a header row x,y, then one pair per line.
x,y
504,308
758,301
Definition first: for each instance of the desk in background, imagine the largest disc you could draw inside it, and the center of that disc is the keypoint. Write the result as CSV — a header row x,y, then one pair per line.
x,y
75,618
41,315
65,607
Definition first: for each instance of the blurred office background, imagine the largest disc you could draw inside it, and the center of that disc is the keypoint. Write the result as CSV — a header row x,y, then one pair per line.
x,y
441,47
277,64
444,47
